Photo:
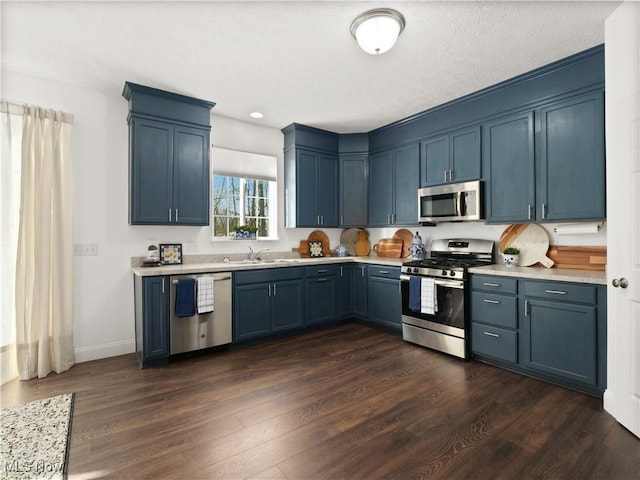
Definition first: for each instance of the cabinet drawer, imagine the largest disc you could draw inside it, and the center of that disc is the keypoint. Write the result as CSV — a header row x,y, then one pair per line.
x,y
500,310
322,270
566,292
494,342
490,283
382,271
267,275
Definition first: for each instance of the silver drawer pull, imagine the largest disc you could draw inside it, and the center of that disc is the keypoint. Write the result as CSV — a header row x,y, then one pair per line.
x,y
489,334
555,292
487,284
322,280
322,270
384,272
495,302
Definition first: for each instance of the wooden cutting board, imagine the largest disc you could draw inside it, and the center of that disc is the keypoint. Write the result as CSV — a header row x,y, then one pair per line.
x,y
407,239
531,239
579,257
389,247
320,236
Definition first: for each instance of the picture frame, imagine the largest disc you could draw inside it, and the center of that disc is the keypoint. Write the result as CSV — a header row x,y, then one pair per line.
x,y
170,253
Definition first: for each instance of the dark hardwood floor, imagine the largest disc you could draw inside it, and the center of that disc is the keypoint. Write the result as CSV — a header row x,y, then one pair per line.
x,y
344,402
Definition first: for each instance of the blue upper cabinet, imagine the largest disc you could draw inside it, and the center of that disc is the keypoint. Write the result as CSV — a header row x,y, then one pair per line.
x,y
571,181
547,164
509,154
311,177
354,179
168,157
393,186
451,158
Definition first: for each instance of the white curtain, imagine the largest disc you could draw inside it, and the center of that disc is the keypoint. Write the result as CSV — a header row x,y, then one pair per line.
x,y
44,255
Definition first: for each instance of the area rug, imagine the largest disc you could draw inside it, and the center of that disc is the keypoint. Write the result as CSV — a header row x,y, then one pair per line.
x,y
34,441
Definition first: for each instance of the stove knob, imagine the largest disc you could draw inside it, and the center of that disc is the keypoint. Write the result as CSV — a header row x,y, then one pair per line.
x,y
452,273
415,270
444,272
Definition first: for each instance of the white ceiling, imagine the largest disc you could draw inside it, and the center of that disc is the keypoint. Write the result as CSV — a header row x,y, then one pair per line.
x,y
295,61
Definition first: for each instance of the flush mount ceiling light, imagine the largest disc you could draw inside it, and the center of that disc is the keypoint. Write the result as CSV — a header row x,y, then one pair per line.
x,y
377,30
256,115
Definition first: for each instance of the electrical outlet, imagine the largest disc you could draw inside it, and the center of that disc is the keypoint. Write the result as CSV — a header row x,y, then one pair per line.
x,y
85,249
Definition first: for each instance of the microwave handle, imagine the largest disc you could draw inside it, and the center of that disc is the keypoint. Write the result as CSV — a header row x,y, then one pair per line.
x,y
458,203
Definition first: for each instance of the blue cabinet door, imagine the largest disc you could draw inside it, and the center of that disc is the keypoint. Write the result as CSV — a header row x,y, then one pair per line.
x,y
384,302
450,158
316,189
327,199
393,186
322,300
559,339
509,156
380,189
155,318
151,171
360,292
465,155
353,190
571,182
434,161
251,311
191,176
307,188
405,185
287,305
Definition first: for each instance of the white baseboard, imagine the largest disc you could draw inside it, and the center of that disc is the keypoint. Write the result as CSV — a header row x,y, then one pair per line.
x,y
96,352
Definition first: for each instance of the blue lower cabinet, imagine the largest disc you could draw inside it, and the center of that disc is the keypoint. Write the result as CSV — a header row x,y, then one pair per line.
x,y
322,300
152,320
353,291
554,331
560,339
267,301
385,303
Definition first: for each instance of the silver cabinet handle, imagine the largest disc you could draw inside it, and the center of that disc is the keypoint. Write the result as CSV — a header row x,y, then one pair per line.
x,y
490,334
274,289
495,302
451,175
176,214
362,271
555,292
163,285
622,282
526,308
269,290
322,280
488,284
341,272
341,219
169,215
322,270
384,272
544,212
445,176
529,212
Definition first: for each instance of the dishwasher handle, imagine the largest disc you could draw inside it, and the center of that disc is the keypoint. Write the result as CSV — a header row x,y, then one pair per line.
x,y
215,279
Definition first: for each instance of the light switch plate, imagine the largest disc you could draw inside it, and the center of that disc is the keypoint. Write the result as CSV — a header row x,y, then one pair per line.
x,y
85,249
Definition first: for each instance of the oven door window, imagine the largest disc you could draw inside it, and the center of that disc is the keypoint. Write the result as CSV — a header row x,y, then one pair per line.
x,y
450,305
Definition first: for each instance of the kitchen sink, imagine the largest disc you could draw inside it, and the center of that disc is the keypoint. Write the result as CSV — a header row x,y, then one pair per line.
x,y
246,261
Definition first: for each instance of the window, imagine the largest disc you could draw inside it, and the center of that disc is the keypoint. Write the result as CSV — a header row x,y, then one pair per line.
x,y
244,193
242,201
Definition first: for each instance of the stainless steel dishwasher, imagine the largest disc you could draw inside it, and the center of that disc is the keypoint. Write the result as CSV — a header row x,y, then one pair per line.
x,y
202,330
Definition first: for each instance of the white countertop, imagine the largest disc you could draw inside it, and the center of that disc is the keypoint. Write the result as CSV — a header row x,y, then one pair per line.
x,y
213,267
541,273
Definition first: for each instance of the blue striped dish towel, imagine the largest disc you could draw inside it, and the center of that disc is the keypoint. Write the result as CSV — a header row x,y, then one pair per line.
x,y
205,294
186,298
415,293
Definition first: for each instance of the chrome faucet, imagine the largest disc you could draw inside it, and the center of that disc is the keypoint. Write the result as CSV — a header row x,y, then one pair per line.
x,y
253,256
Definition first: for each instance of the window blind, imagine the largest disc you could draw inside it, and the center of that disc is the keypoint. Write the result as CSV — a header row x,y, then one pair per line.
x,y
236,163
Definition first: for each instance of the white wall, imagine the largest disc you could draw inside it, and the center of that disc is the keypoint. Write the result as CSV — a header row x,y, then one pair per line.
x,y
104,323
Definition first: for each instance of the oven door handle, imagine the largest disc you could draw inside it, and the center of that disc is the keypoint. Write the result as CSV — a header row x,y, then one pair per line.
x,y
441,283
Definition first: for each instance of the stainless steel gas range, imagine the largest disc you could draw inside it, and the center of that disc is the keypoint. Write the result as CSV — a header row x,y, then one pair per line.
x,y
435,294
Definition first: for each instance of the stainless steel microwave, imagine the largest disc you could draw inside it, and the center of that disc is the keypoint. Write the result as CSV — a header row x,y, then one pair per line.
x,y
451,203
